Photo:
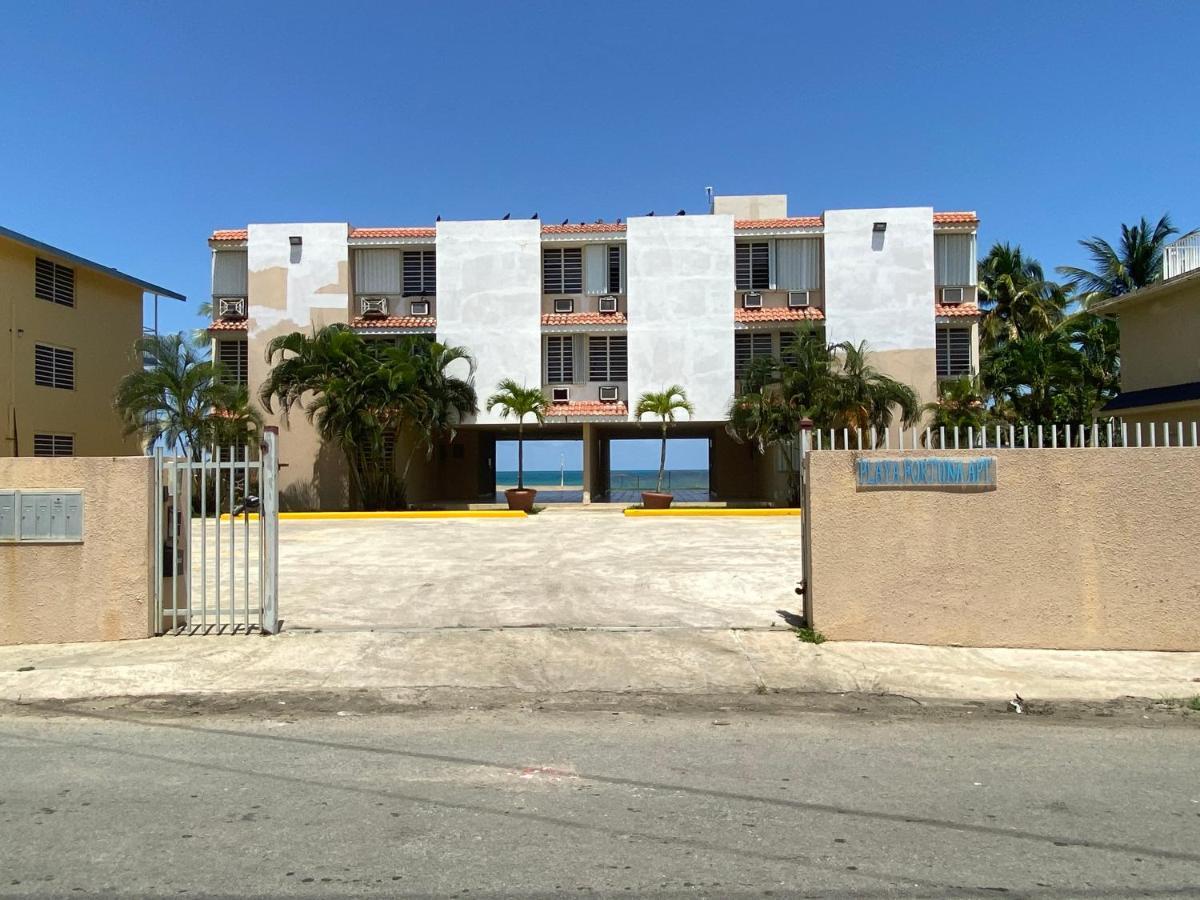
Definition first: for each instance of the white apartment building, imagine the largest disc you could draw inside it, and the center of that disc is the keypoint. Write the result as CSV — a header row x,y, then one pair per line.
x,y
598,313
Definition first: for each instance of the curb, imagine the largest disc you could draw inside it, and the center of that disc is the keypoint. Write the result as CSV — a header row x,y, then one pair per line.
x,y
685,511
397,514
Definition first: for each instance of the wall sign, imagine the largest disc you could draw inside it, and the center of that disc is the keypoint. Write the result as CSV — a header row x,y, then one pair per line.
x,y
958,472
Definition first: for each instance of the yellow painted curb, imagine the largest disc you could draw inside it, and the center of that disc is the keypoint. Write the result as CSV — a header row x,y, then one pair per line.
x,y
702,511
399,514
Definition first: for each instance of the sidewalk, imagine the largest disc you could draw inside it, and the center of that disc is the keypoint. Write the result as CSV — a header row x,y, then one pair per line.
x,y
550,660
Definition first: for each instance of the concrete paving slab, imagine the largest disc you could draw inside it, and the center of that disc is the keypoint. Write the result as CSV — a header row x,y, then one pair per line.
x,y
577,568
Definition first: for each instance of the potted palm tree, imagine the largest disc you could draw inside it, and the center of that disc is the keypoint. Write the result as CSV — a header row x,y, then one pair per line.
x,y
665,404
520,401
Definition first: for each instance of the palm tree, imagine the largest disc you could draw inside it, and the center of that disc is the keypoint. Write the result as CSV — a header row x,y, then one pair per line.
x,y
665,404
181,400
1015,296
863,397
443,400
357,394
960,404
520,401
1029,372
1134,263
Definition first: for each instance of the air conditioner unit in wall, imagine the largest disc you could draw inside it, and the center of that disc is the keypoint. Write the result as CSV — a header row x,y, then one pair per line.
x,y
560,395
609,393
373,307
952,296
418,308
608,304
564,305
752,300
231,307
798,299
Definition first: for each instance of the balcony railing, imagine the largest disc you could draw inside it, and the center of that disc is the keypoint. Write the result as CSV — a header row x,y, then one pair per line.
x,y
1182,256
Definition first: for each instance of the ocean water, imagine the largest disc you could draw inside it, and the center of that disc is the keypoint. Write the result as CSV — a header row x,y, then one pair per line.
x,y
623,480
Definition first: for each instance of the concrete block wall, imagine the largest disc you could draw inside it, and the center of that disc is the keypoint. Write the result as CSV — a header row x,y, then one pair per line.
x,y
1083,549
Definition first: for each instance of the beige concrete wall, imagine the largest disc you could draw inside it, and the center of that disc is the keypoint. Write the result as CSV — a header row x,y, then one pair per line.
x,y
916,368
1074,549
97,590
101,328
1160,340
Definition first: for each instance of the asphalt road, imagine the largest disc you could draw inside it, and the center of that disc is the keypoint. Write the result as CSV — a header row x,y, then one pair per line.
x,y
528,802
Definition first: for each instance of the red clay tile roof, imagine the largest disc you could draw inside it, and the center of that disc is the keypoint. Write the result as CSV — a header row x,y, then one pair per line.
x,y
797,222
228,325
583,228
585,318
395,322
955,218
406,232
229,234
809,313
956,310
587,408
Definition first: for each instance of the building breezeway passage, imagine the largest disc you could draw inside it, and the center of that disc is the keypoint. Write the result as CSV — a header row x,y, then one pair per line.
x,y
565,567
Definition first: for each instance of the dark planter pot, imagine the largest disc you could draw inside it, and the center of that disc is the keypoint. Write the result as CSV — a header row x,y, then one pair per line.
x,y
520,498
655,500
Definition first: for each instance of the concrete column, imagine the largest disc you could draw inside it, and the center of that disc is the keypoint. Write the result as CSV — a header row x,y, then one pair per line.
x,y
588,467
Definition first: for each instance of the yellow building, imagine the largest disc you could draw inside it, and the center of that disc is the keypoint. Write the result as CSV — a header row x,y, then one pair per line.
x,y
70,325
1160,345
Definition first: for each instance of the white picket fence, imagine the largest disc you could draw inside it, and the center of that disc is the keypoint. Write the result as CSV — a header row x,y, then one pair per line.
x,y
1113,434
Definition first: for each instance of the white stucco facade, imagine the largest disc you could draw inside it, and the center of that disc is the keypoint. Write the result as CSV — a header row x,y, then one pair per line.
x,y
489,277
312,276
879,286
681,287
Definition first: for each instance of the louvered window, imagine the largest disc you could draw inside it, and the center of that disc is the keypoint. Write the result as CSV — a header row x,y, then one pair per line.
x,y
53,445
608,358
53,367
233,358
614,268
560,359
562,270
54,282
420,272
752,266
389,449
953,352
749,345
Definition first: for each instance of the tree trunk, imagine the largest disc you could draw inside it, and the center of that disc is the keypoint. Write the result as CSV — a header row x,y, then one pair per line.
x,y
662,457
521,455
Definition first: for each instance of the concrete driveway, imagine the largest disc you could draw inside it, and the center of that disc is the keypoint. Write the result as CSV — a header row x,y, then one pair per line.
x,y
562,567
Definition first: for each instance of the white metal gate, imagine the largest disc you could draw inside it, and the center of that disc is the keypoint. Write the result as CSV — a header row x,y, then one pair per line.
x,y
217,527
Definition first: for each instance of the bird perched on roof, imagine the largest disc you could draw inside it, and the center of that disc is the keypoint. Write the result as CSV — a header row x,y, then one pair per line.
x,y
438,219
534,216
682,212
618,221
506,215
566,221
650,213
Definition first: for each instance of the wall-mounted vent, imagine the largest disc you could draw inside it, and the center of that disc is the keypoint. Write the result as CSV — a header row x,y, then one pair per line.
x,y
418,308
752,300
373,307
608,304
952,296
798,299
609,393
564,305
231,307
560,394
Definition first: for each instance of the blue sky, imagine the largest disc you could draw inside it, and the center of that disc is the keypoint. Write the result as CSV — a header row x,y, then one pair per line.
x,y
131,130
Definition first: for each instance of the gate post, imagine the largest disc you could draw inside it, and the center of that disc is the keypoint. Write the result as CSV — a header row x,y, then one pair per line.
x,y
269,521
158,509
806,426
